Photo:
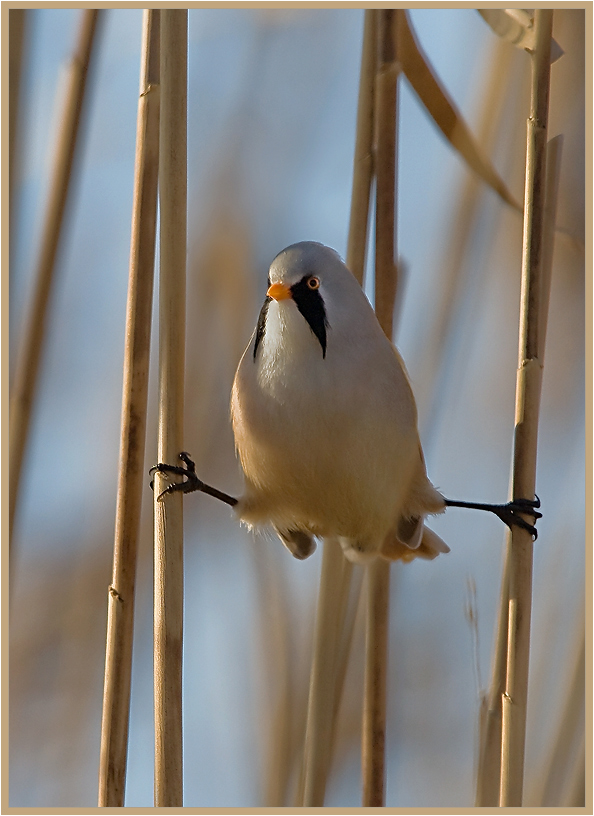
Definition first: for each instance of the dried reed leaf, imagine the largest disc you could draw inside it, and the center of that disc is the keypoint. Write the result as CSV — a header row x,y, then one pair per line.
x,y
442,110
517,27
455,270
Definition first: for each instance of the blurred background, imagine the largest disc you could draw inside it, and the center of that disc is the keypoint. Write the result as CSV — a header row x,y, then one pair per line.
x,y
272,109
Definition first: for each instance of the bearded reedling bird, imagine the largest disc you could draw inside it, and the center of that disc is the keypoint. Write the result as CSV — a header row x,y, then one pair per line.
x,y
325,423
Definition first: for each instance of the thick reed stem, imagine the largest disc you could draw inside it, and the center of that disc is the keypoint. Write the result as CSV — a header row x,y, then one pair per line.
x,y
132,474
373,754
527,412
378,573
489,767
168,579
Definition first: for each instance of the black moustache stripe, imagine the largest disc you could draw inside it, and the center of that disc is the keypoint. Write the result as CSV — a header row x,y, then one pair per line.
x,y
311,305
261,326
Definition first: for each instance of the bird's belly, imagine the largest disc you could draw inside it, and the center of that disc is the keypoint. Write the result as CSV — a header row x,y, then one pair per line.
x,y
319,469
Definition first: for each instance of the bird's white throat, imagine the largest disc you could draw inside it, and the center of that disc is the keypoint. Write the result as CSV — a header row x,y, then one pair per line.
x,y
288,347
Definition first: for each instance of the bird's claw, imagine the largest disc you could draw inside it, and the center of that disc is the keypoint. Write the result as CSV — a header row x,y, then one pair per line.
x,y
528,506
191,483
508,513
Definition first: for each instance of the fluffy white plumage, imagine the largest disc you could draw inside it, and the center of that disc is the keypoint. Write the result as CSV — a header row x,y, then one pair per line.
x,y
325,420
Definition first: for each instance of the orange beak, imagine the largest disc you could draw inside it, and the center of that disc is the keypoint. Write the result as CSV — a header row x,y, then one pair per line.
x,y
279,291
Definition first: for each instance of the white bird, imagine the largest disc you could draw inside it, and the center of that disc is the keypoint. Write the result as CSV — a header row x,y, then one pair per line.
x,y
325,423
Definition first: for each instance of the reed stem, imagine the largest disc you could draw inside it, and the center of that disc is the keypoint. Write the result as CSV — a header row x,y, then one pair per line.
x,y
520,547
488,778
17,25
373,753
489,765
331,638
378,573
363,159
31,347
132,475
168,577
330,614
386,82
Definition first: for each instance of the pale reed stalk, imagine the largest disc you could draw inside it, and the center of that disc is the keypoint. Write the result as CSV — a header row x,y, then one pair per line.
x,y
330,614
17,25
31,347
168,513
520,546
378,573
489,766
132,475
363,158
330,639
489,758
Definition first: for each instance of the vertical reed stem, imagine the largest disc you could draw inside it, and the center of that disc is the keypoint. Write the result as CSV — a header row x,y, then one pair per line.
x,y
488,779
527,411
27,368
378,573
336,572
168,586
386,277
330,614
489,766
373,755
363,159
17,24
131,478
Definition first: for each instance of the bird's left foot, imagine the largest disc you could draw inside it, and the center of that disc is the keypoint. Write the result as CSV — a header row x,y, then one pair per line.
x,y
191,483
508,513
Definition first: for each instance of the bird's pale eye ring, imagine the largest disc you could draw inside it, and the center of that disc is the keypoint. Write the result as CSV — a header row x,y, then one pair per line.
x,y
313,283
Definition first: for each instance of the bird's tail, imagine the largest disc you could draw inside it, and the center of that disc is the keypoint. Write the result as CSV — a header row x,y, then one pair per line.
x,y
411,541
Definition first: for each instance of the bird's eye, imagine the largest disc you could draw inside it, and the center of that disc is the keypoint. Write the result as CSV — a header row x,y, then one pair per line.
x,y
313,283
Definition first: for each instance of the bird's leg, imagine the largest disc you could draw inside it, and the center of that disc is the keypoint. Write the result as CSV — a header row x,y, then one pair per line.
x,y
192,482
508,513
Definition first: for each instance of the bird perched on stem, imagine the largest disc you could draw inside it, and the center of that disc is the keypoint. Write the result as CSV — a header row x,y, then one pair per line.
x,y
325,423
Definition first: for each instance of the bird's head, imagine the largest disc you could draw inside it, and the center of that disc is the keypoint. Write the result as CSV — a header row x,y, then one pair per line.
x,y
310,279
